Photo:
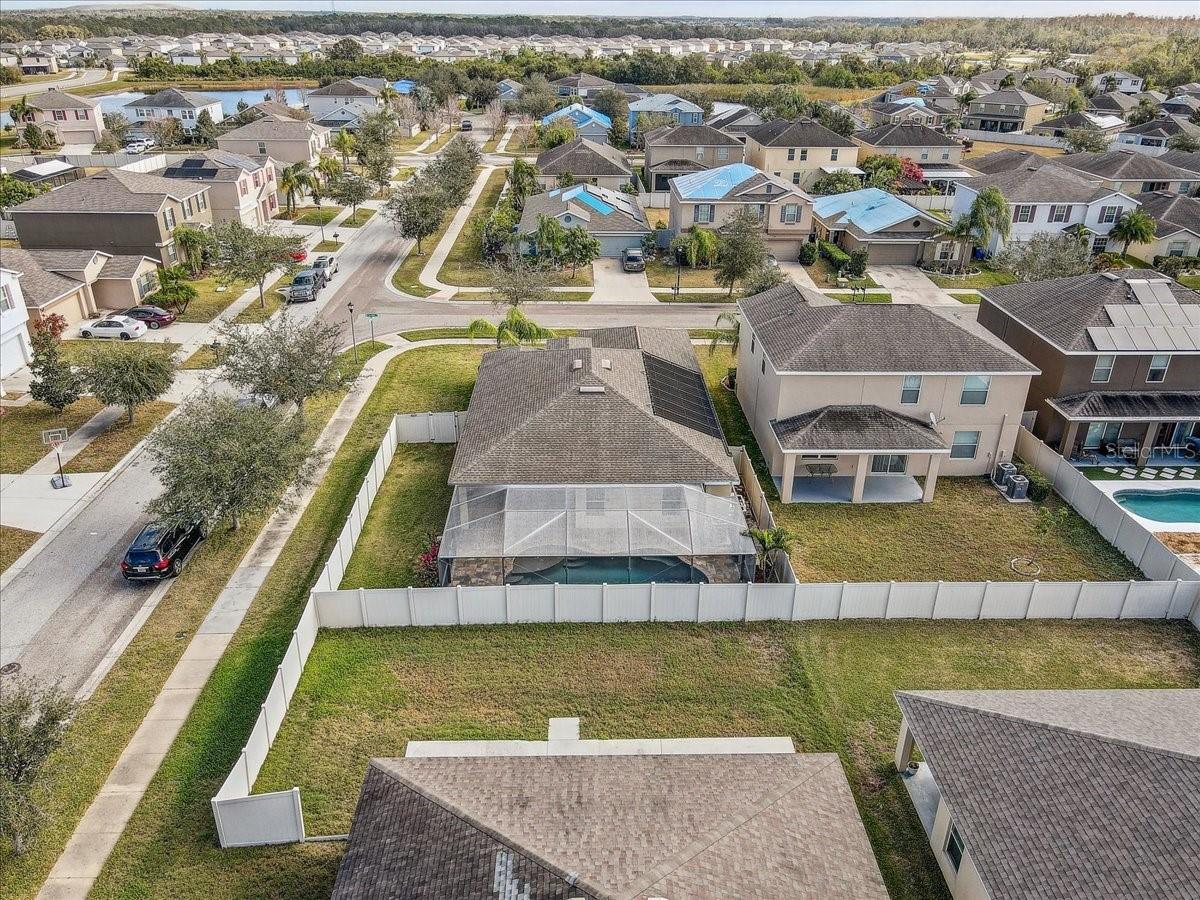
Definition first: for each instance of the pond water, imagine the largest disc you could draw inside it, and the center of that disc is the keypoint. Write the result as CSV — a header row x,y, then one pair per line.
x,y
1162,506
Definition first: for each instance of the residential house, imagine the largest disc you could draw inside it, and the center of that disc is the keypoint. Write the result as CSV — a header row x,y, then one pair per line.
x,y
240,188
588,123
586,162
800,152
709,199
71,120
185,106
890,230
1176,226
1188,161
595,453
348,95
508,90
1052,75
1152,137
1049,198
581,85
38,64
1005,111
1116,80
684,112
1184,105
910,112
1104,124
81,284
283,138
735,121
1112,104
608,818
1131,172
614,218
16,351
673,150
1120,371
117,211
850,401
938,154
1056,793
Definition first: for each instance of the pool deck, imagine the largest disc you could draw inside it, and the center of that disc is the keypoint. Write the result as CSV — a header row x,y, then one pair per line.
x,y
1113,487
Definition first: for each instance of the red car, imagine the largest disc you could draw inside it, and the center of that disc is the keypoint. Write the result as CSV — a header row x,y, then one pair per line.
x,y
300,255
153,316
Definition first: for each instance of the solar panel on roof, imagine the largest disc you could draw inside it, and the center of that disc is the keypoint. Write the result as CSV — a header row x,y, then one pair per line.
x,y
1162,290
1101,338
679,395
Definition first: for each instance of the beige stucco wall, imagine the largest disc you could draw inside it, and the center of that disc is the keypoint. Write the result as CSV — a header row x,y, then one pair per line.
x,y
774,161
682,215
965,884
286,152
612,182
916,154
1159,247
71,130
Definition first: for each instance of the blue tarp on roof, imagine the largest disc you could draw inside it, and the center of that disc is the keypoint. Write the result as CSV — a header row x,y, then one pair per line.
x,y
869,209
579,115
712,184
586,197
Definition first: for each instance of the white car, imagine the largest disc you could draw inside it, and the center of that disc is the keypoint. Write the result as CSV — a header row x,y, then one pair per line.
x,y
117,328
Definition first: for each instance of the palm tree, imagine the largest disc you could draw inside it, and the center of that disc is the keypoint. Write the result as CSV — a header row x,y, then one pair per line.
x,y
548,238
343,142
294,180
1135,226
522,182
700,247
191,241
18,109
727,333
389,95
990,216
960,229
964,100
329,167
769,543
515,328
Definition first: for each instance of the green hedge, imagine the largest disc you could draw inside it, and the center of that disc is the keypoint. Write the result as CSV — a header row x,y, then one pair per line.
x,y
837,257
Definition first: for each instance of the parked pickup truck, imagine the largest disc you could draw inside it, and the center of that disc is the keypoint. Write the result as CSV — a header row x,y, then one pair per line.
x,y
305,286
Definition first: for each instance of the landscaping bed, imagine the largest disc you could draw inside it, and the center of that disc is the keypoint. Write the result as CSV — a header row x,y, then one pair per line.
x,y
823,273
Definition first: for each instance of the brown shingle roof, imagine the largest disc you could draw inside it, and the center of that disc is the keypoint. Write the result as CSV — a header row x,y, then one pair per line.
x,y
1121,164
39,286
113,190
800,133
53,99
690,136
583,158
864,427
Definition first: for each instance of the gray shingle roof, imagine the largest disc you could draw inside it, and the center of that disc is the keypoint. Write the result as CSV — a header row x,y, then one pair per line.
x,y
64,260
272,129
1129,404
1121,164
1062,309
690,136
124,266
113,190
804,331
1069,793
625,215
39,286
905,135
800,133
751,825
211,165
1007,161
1041,184
529,422
1171,212
1182,159
583,158
53,99
347,87
865,427
173,98
1011,97
1164,128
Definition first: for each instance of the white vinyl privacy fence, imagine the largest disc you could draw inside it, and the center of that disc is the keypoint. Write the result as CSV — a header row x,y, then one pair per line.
x,y
246,819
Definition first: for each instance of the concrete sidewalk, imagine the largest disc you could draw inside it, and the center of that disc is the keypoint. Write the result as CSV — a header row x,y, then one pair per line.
x,y
433,265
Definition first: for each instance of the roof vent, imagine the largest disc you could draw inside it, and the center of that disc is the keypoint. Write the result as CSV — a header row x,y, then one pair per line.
x,y
591,389
606,364
576,364
1111,276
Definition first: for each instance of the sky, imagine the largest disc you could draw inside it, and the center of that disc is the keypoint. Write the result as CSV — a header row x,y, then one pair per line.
x,y
716,8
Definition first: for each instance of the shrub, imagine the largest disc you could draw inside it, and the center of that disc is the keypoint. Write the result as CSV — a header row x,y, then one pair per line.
x,y
858,263
808,254
1104,262
426,574
1039,485
837,257
1174,266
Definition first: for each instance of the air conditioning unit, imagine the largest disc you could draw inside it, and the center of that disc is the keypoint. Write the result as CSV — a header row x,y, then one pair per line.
x,y
1018,487
1004,471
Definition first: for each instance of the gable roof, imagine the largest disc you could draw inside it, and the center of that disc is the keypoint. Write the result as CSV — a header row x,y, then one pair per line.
x,y
173,98
1165,127
347,87
1011,97
1041,184
211,165
113,190
1069,793
1006,161
271,128
736,181
55,99
798,133
39,286
1080,119
663,103
1172,213
583,80
855,427
597,209
738,117
583,157
804,331
869,210
560,415
579,115
1182,159
678,135
542,827
1120,164
905,134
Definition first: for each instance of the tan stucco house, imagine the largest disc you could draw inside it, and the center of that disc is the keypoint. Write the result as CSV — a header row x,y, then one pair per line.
x,y
938,154
849,402
799,152
71,120
284,139
240,188
80,284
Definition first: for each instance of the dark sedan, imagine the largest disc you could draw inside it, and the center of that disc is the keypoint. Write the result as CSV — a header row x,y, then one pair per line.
x,y
154,316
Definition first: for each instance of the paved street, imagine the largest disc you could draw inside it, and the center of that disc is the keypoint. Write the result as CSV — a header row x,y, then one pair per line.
x,y
69,80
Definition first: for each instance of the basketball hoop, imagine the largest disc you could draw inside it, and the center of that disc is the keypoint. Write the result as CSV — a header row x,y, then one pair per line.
x,y
54,438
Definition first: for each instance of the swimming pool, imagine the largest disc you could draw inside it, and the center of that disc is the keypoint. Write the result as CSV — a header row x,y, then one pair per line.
x,y
1182,505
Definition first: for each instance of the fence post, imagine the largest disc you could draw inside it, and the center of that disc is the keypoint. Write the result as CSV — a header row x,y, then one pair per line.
x,y
699,602
1174,595
1125,599
795,597
458,602
1029,599
362,607
429,426
412,619
652,619
282,685
746,602
887,600
987,586
555,600
299,814
937,595
604,602
1078,596
508,604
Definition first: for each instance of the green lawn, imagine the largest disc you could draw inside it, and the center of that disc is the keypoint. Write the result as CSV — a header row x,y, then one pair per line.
x,y
1191,281
312,215
431,334
409,143
868,297
829,686
982,279
14,542
358,218
274,301
110,446
212,299
968,533
555,296
328,247
824,274
972,299
105,723
406,278
79,350
685,297
661,275
204,358
22,428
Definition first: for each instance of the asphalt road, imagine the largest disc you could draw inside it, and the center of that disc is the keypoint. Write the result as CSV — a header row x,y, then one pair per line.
x,y
89,76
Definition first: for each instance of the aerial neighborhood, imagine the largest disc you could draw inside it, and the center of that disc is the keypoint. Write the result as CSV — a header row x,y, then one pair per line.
x,y
554,456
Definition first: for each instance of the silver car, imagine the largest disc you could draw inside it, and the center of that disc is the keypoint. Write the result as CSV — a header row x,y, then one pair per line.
x,y
116,328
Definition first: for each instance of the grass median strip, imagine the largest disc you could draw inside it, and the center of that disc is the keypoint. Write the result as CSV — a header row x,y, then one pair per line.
x,y
358,218
972,299
110,446
406,278
684,297
273,300
14,542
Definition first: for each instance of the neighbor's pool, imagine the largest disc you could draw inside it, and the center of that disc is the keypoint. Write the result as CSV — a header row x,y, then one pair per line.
x,y
1181,505
606,570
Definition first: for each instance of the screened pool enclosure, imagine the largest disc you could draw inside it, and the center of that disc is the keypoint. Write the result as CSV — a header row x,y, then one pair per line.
x,y
591,534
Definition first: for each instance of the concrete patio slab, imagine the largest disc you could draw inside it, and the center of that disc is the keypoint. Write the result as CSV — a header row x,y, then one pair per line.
x,y
29,502
840,488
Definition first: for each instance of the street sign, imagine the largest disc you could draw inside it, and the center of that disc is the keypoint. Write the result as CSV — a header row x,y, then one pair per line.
x,y
54,437
372,315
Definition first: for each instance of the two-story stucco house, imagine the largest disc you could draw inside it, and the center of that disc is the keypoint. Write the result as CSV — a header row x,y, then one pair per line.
x,y
1176,226
1120,372
284,139
1005,110
938,154
348,94
16,352
710,198
117,211
186,106
685,112
853,402
799,152
1115,80
1048,198
240,188
673,150
71,120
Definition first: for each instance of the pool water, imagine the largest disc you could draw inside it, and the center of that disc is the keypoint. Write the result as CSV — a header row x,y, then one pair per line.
x,y
606,570
1181,505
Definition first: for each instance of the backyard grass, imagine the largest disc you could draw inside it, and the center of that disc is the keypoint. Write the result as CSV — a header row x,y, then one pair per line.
x,y
984,278
408,143
212,299
358,218
328,247
983,148
823,273
204,358
110,446
22,427
169,847
272,295
14,542
829,686
104,724
972,299
406,278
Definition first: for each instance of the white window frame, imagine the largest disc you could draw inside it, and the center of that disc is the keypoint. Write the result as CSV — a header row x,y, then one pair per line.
x,y
1060,212
803,154
1103,368
703,213
7,301
1109,214
833,154
790,213
892,463
956,445
1163,361
722,153
791,155
910,384
985,390
1024,213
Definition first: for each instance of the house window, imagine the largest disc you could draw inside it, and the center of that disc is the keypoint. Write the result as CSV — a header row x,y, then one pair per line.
x,y
833,154
1102,370
699,153
760,210
1023,212
763,365
965,445
1177,248
168,219
791,154
1148,186
803,154
791,214
954,847
201,203
262,148
945,154
1158,368
722,153
6,298
795,178
1100,243
147,283
1109,214
924,155
910,393
1060,213
243,188
752,337
945,251
702,213
889,464
81,115
187,207
975,390
171,255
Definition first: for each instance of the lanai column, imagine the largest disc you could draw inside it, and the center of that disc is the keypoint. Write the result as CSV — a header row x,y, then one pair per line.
x,y
1068,441
860,477
789,476
935,462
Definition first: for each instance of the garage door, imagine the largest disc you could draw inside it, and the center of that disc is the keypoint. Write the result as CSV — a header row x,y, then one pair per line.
x,y
71,308
12,355
616,244
893,254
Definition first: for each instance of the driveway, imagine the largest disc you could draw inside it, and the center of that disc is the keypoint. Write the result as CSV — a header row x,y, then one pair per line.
x,y
615,285
908,284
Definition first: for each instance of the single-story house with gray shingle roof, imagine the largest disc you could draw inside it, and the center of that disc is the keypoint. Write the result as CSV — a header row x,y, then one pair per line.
x,y
1176,226
1129,171
850,401
185,106
616,422
588,162
1057,793
614,218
